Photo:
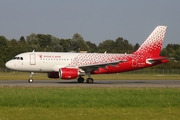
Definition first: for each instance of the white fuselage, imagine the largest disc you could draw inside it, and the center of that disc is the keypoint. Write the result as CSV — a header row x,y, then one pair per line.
x,y
52,61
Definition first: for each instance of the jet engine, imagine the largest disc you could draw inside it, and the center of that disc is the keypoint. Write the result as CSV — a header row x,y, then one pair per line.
x,y
65,73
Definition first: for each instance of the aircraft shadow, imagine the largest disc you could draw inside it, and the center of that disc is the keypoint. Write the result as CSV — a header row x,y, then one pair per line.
x,y
102,82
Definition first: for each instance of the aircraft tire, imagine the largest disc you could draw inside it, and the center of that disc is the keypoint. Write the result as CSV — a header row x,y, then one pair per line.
x,y
30,80
80,80
89,80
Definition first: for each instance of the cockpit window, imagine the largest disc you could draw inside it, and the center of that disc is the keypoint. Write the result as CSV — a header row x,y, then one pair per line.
x,y
18,58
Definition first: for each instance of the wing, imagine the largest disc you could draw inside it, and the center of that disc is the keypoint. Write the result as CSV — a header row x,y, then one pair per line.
x,y
101,65
90,67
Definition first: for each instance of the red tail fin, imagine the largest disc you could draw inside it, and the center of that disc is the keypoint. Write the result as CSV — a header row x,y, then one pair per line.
x,y
153,43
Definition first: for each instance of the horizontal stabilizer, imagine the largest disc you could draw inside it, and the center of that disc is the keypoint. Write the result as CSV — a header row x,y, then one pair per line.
x,y
156,59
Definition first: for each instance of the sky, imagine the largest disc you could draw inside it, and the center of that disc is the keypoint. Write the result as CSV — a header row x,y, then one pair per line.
x,y
94,20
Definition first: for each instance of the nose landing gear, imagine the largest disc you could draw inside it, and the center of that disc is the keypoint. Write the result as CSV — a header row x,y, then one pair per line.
x,y
31,77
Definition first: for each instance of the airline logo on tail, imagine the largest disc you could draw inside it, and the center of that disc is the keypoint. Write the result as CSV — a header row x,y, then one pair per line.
x,y
153,43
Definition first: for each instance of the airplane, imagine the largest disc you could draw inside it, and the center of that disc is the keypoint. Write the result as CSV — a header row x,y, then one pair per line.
x,y
67,65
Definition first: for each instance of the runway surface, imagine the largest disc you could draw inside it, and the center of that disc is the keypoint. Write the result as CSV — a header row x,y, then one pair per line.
x,y
97,83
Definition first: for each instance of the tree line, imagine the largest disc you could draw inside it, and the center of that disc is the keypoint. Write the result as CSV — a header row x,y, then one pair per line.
x,y
49,43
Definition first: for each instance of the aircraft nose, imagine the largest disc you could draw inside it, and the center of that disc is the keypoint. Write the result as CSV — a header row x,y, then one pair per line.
x,y
9,64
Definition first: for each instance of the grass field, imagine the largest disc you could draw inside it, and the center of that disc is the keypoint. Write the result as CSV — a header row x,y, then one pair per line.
x,y
89,103
26,103
120,76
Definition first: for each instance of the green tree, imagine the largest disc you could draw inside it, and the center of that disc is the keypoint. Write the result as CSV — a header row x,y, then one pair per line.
x,y
65,43
78,43
164,52
22,39
55,44
2,59
136,46
3,42
107,46
123,46
44,41
92,47
177,54
32,42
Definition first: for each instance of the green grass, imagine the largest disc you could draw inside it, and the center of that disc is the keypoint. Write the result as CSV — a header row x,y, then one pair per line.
x,y
120,76
89,103
36,113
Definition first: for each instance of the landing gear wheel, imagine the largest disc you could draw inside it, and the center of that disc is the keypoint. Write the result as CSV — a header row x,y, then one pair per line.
x,y
31,77
80,80
89,80
30,80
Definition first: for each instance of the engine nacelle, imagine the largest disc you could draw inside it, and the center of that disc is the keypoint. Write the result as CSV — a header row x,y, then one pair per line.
x,y
69,73
65,73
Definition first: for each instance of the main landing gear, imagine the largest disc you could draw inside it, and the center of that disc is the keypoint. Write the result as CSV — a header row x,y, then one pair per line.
x,y
31,77
88,80
80,79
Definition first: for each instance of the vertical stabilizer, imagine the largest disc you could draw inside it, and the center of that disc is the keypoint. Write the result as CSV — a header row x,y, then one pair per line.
x,y
153,43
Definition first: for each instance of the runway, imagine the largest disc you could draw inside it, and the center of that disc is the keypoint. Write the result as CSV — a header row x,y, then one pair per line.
x,y
97,83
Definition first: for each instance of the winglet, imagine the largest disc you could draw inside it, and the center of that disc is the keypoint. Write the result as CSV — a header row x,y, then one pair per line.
x,y
153,43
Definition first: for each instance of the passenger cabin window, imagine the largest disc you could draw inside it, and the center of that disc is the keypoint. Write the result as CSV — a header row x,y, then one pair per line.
x,y
18,58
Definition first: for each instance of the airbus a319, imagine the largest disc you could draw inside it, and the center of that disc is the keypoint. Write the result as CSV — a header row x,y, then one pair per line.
x,y
76,65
